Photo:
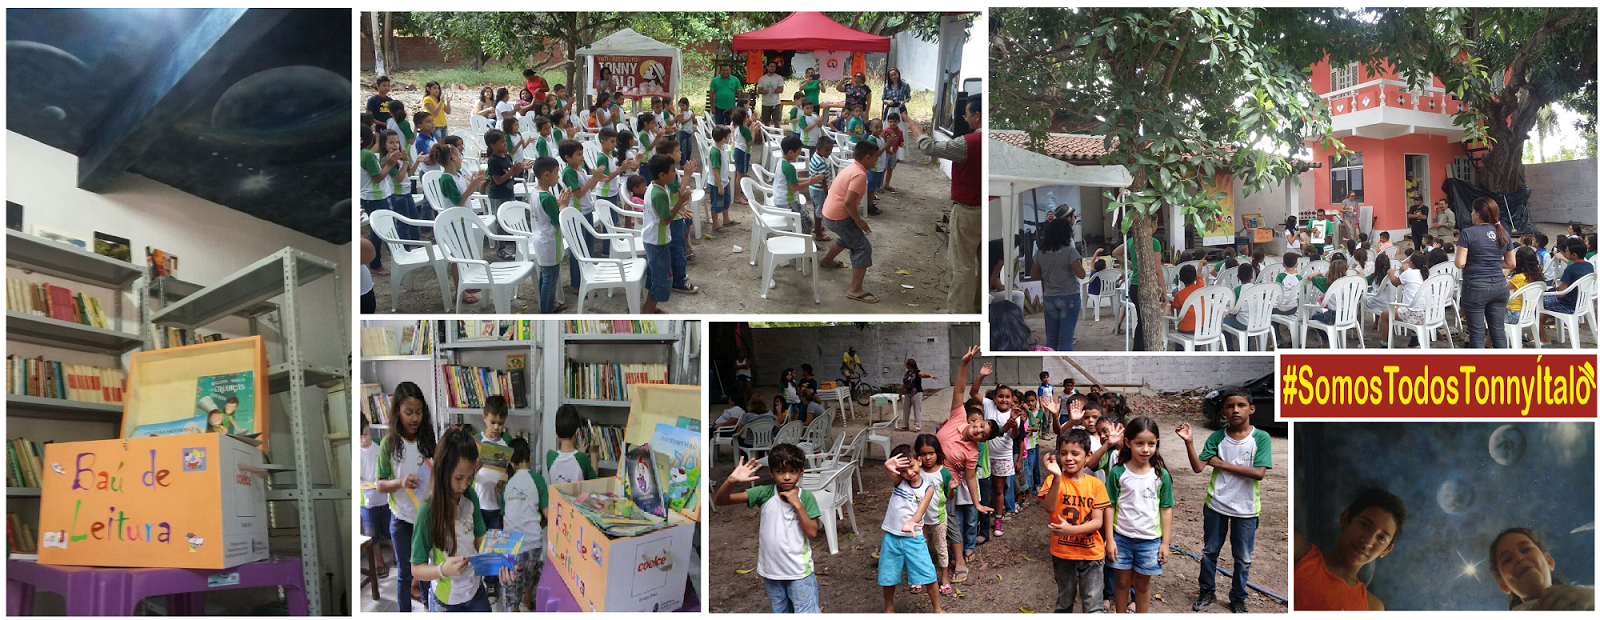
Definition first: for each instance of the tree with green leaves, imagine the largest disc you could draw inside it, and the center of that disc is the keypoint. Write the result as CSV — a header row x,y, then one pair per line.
x,y
1505,63
520,35
1179,95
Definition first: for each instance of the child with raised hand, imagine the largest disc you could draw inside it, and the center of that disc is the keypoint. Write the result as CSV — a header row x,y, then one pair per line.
x,y
577,180
1140,490
788,195
1077,505
818,165
545,144
783,558
1239,456
931,458
401,456
903,546
744,127
522,514
450,528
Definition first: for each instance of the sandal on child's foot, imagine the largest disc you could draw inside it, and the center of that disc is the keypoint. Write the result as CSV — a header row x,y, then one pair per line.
x,y
916,589
946,589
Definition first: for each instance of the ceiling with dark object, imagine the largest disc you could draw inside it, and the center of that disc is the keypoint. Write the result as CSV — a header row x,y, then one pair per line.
x,y
245,108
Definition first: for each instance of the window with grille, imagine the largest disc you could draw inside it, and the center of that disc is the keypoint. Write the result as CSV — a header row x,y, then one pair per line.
x,y
1345,174
1463,169
1342,78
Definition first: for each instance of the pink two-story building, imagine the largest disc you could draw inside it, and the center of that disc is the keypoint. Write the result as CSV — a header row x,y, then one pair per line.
x,y
1393,133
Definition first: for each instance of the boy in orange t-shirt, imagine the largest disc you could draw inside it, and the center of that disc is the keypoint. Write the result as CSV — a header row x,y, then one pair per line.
x,y
1188,275
1078,527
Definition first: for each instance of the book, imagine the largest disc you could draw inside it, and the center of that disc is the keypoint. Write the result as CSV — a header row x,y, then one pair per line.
x,y
494,457
160,262
499,550
677,462
14,216
196,424
227,402
639,479
106,244
375,404
423,474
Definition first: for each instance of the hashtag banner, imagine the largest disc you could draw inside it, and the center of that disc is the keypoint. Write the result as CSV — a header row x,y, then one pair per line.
x,y
1436,386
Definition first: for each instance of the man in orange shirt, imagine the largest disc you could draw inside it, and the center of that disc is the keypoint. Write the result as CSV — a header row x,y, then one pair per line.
x,y
1078,526
1191,283
841,213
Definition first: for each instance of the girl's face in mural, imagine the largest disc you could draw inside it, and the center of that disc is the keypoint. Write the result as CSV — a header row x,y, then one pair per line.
x,y
1522,567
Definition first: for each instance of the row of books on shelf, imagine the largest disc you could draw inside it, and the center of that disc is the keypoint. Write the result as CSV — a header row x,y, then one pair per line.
x,y
610,381
375,403
19,536
479,331
24,463
177,337
610,327
36,376
411,339
469,386
602,442
56,302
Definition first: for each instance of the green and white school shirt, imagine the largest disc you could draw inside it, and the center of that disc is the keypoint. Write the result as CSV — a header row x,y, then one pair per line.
x,y
544,147
573,179
878,167
371,166
796,120
546,231
409,463
941,485
453,186
1138,499
645,136
408,141
563,467
657,215
784,196
468,527
721,169
784,552
522,505
742,138
487,479
1232,494
558,135
602,167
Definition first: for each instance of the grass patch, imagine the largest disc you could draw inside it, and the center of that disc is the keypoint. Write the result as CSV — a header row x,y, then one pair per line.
x,y
694,85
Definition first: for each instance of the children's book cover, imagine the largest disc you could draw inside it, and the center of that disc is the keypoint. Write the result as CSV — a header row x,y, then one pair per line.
x,y
639,474
228,402
677,461
499,550
184,426
423,474
495,457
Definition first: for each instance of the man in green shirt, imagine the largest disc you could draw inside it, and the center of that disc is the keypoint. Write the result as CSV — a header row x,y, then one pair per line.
x,y
724,87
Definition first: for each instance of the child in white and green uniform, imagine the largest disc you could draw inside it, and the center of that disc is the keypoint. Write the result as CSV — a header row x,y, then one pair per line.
x,y
788,521
931,456
450,528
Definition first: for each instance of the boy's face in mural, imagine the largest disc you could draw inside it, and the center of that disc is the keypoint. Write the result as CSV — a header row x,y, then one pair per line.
x,y
1367,536
1523,568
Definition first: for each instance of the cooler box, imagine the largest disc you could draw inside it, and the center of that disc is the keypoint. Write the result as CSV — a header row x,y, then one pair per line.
x,y
640,573
178,501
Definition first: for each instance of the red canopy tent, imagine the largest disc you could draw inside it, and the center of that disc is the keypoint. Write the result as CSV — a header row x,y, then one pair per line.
x,y
808,30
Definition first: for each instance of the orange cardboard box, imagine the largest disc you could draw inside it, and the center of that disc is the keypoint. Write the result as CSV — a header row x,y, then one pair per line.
x,y
162,383
179,501
639,573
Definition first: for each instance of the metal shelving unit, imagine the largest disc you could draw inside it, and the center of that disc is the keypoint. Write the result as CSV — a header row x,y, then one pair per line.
x,y
450,351
674,351
37,255
246,294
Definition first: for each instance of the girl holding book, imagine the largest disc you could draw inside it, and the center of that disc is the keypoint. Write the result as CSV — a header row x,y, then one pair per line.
x,y
402,469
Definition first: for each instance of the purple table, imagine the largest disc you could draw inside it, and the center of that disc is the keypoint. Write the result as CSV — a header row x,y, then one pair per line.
x,y
93,591
552,594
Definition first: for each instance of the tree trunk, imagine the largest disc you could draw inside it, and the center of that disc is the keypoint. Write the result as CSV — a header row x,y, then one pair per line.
x,y
1503,170
389,50
379,66
1152,280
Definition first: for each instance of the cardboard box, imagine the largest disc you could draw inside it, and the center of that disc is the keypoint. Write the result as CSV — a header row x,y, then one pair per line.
x,y
639,573
178,501
671,405
173,385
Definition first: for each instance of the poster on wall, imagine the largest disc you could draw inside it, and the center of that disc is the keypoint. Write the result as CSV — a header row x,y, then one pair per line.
x,y
636,76
1219,231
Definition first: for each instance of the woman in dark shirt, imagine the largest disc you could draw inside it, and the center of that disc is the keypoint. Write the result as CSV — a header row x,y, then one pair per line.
x,y
856,92
911,387
1485,251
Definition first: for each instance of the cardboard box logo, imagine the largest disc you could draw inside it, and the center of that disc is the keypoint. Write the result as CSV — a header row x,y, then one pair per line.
x,y
194,459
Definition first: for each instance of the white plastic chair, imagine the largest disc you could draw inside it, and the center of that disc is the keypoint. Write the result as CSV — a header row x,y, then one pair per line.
x,y
770,217
1435,289
759,435
818,460
790,432
435,195
884,440
404,259
835,500
631,241
779,246
481,125
1108,279
1211,304
1453,301
602,273
1532,296
1305,296
460,234
1392,251
721,436
1567,325
1256,300
816,434
1316,266
1344,298
1269,272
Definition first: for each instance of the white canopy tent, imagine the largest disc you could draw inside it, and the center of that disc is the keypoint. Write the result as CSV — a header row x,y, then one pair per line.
x,y
1014,170
627,42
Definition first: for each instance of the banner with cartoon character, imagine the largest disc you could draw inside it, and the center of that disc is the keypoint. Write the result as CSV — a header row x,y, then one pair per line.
x,y
637,76
178,501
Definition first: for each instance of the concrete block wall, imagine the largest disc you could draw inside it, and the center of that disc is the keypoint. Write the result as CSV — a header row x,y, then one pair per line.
x,y
883,349
1563,191
1162,373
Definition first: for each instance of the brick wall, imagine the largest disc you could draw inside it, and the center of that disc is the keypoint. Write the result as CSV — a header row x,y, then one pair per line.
x,y
883,350
1162,373
1563,191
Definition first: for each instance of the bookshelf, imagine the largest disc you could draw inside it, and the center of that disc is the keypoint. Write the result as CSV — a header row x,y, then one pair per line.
x,y
585,343
51,419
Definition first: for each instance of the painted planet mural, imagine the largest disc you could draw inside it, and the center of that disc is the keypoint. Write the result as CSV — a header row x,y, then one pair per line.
x,y
1506,445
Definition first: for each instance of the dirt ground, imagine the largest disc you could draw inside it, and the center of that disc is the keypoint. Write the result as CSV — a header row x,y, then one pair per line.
x,y
1013,573
1102,336
904,239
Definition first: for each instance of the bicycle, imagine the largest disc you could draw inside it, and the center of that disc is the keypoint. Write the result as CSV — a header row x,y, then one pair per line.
x,y
860,391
